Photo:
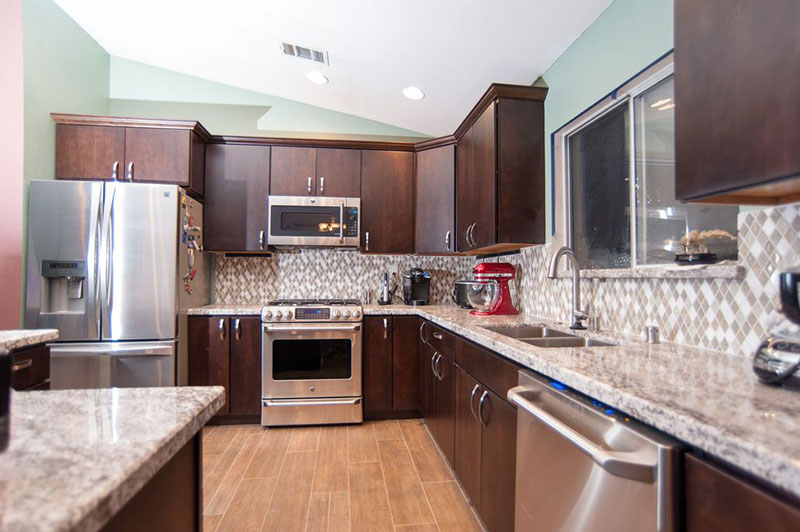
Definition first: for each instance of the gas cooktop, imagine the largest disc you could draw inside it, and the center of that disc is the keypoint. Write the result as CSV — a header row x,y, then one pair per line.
x,y
312,302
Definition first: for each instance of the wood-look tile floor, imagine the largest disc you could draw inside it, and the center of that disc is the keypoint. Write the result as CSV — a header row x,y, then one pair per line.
x,y
382,475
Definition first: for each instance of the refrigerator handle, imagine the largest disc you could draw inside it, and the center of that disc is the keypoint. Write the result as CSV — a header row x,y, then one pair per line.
x,y
95,261
107,255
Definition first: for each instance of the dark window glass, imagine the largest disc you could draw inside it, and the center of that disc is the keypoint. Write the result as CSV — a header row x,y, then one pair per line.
x,y
311,359
599,161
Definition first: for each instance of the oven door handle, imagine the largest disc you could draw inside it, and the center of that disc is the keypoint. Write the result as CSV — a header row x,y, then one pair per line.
x,y
303,328
332,402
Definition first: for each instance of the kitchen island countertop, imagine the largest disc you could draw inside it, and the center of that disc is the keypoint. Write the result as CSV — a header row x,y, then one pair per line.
x,y
19,338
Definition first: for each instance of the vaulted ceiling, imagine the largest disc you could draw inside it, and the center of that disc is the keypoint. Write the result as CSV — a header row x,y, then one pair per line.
x,y
451,49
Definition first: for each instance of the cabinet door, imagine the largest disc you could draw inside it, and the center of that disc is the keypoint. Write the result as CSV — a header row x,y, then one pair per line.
x,y
245,365
468,435
387,201
157,155
421,361
89,152
445,407
293,171
405,369
475,184
737,77
718,500
429,384
377,358
498,462
209,354
435,193
338,173
237,187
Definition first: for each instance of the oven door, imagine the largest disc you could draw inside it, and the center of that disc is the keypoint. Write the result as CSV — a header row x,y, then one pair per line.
x,y
313,221
311,360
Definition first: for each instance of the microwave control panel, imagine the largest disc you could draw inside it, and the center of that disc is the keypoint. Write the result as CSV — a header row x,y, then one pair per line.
x,y
351,221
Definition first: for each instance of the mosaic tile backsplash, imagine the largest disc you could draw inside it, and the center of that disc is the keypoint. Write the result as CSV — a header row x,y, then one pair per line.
x,y
730,315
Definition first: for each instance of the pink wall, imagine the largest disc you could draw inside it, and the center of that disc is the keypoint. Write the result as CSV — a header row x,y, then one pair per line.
x,y
10,163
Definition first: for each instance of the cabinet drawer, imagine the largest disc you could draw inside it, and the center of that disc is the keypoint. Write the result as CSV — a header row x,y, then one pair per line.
x,y
441,340
718,500
495,372
30,367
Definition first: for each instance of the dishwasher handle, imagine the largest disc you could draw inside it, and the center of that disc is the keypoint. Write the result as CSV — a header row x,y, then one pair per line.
x,y
629,465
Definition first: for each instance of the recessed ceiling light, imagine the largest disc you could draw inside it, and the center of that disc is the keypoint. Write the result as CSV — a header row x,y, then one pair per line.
x,y
317,77
413,93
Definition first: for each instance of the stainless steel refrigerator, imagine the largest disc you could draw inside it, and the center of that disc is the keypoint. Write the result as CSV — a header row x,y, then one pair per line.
x,y
114,266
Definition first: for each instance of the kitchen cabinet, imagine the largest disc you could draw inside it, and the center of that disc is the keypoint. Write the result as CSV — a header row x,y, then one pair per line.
x,y
736,104
485,435
391,366
387,202
226,351
134,150
435,197
500,201
717,499
439,383
30,368
305,171
237,188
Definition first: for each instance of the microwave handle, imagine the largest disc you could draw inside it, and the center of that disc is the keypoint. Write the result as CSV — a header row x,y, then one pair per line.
x,y
341,223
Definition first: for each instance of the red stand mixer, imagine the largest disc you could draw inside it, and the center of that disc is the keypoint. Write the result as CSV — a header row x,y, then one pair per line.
x,y
501,273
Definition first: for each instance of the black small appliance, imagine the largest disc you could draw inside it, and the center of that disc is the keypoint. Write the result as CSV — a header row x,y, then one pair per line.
x,y
416,287
777,359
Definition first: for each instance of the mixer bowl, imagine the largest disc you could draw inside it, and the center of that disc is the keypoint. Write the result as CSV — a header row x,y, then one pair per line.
x,y
482,295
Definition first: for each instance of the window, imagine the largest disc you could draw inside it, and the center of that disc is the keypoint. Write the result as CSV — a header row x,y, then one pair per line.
x,y
617,165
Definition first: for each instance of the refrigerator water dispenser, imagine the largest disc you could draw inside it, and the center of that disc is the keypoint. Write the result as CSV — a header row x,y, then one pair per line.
x,y
62,286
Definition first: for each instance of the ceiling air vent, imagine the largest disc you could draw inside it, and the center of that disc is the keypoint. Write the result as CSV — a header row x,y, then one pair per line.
x,y
304,52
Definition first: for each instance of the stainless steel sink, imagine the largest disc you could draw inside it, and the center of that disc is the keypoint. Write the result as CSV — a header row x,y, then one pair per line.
x,y
574,341
530,331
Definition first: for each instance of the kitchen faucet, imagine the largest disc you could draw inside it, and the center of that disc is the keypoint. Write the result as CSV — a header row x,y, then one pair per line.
x,y
552,272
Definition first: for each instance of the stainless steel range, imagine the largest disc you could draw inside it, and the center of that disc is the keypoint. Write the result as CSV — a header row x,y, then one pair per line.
x,y
311,362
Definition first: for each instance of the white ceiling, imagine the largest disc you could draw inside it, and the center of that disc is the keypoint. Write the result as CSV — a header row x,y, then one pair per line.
x,y
451,49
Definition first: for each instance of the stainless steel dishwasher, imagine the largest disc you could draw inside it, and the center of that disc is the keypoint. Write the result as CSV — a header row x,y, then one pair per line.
x,y
582,466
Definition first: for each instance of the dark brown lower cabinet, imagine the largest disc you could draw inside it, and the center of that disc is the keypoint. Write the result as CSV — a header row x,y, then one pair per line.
x,y
440,386
391,366
226,351
717,499
468,435
30,368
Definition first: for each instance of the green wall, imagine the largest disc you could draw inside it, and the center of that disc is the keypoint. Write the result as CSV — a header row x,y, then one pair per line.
x,y
625,38
65,71
141,90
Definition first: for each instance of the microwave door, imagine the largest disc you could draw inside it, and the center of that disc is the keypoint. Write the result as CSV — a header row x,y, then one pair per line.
x,y
300,225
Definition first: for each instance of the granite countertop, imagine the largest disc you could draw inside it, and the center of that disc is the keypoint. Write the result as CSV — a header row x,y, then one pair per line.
x,y
228,310
76,457
707,399
17,339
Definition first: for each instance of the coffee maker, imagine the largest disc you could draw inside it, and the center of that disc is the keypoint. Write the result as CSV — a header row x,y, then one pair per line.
x,y
416,287
777,359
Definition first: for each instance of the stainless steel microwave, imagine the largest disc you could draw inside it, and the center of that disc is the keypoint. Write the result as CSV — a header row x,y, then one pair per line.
x,y
313,221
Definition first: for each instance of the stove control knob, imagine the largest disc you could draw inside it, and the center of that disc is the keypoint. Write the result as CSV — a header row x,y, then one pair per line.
x,y
346,313
337,313
268,314
288,314
356,314
279,314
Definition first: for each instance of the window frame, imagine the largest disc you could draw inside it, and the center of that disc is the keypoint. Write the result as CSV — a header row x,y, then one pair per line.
x,y
562,192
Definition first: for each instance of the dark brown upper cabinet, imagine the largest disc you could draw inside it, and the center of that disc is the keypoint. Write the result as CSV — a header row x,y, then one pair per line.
x,y
435,195
237,188
133,150
500,200
737,80
387,201
302,171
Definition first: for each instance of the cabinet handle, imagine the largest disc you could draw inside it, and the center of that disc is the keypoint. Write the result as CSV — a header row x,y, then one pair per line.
x,y
447,240
321,186
261,240
422,334
433,364
484,422
437,335
472,400
115,171
470,238
24,364
439,368
385,329
237,330
221,328
309,185
129,173
366,240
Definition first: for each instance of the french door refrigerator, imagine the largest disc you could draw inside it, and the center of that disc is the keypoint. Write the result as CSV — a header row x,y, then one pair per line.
x,y
114,266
